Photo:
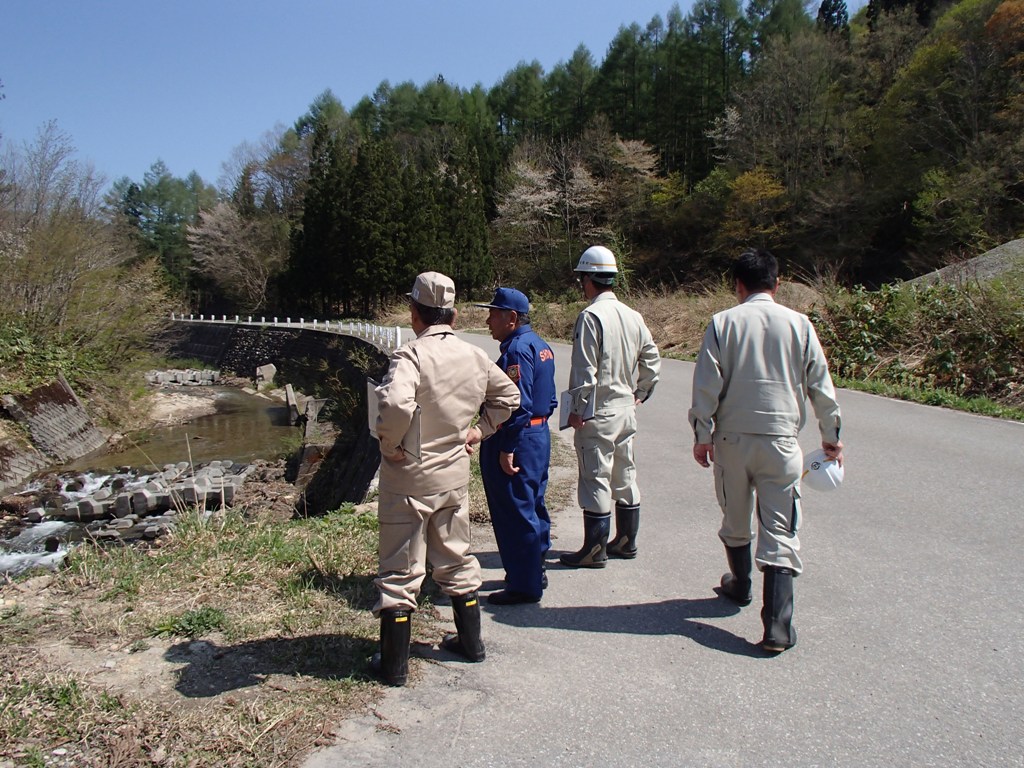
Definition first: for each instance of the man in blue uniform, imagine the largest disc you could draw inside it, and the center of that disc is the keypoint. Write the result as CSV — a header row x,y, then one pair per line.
x,y
514,460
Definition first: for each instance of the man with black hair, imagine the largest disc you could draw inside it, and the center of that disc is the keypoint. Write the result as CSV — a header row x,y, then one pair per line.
x,y
758,365
615,366
443,383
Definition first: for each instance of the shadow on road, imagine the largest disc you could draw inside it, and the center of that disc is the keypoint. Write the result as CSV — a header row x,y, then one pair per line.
x,y
668,617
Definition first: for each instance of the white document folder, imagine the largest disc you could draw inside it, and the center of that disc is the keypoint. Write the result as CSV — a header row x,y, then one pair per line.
x,y
565,407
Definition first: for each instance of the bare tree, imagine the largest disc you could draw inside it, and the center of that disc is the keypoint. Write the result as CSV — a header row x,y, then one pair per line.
x,y
238,253
64,270
51,235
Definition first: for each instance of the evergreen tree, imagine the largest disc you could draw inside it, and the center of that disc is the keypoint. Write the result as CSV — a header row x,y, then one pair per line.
x,y
834,19
623,87
158,211
318,278
568,90
517,102
377,221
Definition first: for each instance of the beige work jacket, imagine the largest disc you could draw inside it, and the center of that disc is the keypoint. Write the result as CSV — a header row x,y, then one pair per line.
x,y
614,357
449,380
758,365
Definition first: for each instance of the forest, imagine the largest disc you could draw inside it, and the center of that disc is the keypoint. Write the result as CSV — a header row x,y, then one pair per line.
x,y
866,150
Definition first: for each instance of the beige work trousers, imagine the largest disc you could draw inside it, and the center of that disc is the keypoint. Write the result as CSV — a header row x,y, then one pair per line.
x,y
760,473
604,454
415,530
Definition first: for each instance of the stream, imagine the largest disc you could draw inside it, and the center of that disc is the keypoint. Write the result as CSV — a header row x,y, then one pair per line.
x,y
244,428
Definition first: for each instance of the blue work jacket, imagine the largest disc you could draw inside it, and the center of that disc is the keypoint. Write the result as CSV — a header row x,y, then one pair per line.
x,y
529,362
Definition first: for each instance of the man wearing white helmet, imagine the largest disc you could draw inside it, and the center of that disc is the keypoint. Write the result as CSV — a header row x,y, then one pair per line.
x,y
615,367
758,365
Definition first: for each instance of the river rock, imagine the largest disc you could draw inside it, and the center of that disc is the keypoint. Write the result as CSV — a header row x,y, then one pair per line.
x,y
17,505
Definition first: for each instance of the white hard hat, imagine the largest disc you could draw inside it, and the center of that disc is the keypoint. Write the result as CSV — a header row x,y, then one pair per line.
x,y
820,472
597,259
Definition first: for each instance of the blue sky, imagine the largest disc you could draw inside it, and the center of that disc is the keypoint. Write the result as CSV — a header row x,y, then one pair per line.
x,y
187,81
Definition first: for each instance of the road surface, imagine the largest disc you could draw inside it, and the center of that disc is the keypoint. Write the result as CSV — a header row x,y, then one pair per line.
x,y
909,611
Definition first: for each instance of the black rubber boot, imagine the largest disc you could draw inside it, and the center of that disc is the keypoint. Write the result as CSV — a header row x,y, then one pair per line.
x,y
466,642
595,542
777,612
736,585
627,525
391,663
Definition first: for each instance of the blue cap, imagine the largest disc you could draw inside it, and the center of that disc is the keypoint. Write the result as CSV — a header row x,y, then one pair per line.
x,y
509,298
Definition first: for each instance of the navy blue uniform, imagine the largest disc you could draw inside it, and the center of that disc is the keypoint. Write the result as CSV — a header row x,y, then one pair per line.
x,y
521,523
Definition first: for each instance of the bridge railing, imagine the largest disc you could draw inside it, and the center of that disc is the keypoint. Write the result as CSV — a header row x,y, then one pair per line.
x,y
387,338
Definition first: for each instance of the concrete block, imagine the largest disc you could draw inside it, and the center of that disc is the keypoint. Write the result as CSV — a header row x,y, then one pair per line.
x,y
191,495
221,496
90,508
122,505
143,501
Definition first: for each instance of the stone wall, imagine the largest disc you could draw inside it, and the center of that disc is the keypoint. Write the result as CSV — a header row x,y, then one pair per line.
x,y
59,427
18,462
56,420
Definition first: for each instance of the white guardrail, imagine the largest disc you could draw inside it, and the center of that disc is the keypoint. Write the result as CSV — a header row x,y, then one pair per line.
x,y
387,338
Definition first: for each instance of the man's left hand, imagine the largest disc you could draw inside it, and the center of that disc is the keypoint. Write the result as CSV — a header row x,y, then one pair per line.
x,y
704,454
473,437
834,451
505,462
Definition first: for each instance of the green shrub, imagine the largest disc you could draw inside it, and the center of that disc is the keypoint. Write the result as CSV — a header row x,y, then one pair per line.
x,y
966,340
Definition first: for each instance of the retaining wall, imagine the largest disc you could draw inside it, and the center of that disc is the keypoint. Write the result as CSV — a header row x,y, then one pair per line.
x,y
59,427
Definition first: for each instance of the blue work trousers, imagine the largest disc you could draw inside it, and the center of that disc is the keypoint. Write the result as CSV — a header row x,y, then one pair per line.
x,y
521,523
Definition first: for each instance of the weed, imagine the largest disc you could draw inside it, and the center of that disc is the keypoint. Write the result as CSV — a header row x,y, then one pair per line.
x,y
195,623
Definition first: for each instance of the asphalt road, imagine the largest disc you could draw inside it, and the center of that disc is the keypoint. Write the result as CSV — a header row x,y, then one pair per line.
x,y
909,611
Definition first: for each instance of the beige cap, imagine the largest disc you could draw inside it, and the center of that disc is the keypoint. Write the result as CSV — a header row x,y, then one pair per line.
x,y
432,289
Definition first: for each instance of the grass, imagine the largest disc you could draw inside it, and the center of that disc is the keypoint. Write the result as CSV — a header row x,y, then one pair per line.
x,y
938,397
276,601
195,623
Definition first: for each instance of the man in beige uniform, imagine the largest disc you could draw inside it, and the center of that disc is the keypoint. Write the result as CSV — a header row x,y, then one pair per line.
x,y
423,505
757,366
615,366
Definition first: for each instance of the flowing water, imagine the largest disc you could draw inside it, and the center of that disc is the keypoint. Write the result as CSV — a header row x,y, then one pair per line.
x,y
245,428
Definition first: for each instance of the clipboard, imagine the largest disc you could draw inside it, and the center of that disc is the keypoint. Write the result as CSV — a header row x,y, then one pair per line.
x,y
565,402
412,440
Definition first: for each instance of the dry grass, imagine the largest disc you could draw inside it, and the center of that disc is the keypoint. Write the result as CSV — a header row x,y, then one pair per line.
x,y
242,641
677,318
102,659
